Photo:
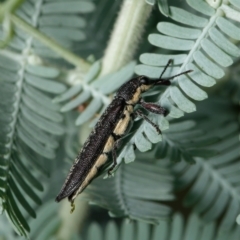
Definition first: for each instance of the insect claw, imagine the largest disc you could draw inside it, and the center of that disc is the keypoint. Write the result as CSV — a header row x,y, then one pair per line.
x,y
72,207
165,112
110,174
158,129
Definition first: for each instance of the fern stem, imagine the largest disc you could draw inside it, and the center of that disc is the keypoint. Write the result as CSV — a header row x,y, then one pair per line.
x,y
119,189
9,6
63,52
126,35
206,165
197,46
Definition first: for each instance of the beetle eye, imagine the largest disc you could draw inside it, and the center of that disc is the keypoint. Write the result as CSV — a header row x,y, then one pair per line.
x,y
144,80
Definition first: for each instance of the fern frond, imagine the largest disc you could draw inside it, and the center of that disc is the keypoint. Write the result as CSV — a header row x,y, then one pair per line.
x,y
214,182
93,91
98,28
202,44
162,5
192,137
36,32
47,219
177,229
31,126
47,18
134,192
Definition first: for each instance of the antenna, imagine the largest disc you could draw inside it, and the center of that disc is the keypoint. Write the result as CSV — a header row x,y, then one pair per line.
x,y
165,68
166,81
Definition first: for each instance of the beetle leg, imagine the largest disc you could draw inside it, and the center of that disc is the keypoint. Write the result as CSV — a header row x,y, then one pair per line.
x,y
154,108
114,155
139,113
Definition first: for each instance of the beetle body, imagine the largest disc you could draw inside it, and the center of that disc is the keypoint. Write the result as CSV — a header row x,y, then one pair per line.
x,y
94,152
107,133
111,126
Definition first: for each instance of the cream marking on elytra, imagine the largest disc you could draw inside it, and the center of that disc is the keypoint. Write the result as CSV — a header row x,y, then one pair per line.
x,y
122,125
109,144
136,97
93,171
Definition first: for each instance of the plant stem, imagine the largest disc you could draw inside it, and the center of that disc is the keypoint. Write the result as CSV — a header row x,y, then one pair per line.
x,y
63,52
12,5
126,35
9,7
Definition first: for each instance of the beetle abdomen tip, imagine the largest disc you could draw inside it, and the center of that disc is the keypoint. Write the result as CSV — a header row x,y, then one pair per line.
x,y
58,198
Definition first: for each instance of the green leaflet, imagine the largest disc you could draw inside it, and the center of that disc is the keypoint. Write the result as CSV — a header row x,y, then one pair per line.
x,y
163,7
170,42
131,200
174,30
142,143
68,7
153,71
202,7
216,53
160,59
45,84
66,32
93,90
68,94
197,47
7,63
89,112
185,17
73,91
221,41
57,20
235,3
80,99
181,101
200,77
188,37
31,123
177,229
228,28
191,89
214,180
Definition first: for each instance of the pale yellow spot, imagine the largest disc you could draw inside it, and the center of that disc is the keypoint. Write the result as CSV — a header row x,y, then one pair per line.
x,y
136,96
101,160
109,145
93,171
129,108
144,88
123,123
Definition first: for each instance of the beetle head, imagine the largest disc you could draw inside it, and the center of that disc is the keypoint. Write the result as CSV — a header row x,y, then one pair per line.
x,y
131,90
145,83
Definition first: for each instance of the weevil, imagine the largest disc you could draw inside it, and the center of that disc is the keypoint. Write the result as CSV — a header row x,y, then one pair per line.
x,y
108,132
